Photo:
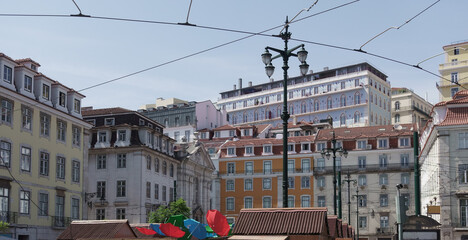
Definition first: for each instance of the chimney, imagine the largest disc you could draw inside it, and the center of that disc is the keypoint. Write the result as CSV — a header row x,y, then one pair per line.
x,y
250,83
325,69
240,86
234,86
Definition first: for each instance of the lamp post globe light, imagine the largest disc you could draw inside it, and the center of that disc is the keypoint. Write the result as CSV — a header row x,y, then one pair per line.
x,y
326,153
269,69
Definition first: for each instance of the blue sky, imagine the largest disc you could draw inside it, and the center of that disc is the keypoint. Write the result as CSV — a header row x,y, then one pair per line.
x,y
81,52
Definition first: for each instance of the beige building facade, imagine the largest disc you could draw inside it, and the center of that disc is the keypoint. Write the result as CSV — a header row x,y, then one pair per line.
x,y
454,70
409,107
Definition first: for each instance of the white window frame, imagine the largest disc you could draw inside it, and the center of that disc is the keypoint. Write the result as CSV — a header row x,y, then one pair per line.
x,y
247,153
230,185
229,206
264,182
231,151
361,144
405,141
248,181
264,205
320,145
268,147
379,143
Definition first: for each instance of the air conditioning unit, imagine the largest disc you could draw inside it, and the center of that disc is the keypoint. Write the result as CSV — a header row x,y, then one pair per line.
x,y
369,146
384,187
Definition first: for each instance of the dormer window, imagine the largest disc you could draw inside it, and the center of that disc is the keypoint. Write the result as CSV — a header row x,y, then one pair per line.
x,y
33,67
305,146
231,151
361,144
141,122
320,146
109,121
122,135
383,143
77,106
45,91
231,133
102,137
27,83
217,134
246,132
203,135
267,149
291,147
62,99
7,74
248,150
404,142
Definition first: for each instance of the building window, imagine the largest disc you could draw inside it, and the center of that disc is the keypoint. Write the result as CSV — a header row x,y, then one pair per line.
x,y
76,171
101,189
60,168
463,173
231,151
101,161
102,137
362,162
463,212
266,202
231,168
120,213
43,204
463,140
404,142
321,201
248,150
164,168
456,51
383,143
404,160
121,188
267,167
362,222
44,164
305,165
248,202
156,191
148,162
26,118
267,149
357,117
248,185
7,74
320,146
45,91
343,101
362,180
291,165
453,91
383,161
329,103
230,204
305,182
148,190
305,201
405,178
291,182
320,164
383,221
62,99
383,179
76,138
100,214
316,105
7,108
75,208
28,83
45,124
357,98
230,185
5,153
343,119
267,184
291,201
305,147
77,106
26,159
248,167
454,77
156,164
362,201
24,202
397,118
171,170
61,130
121,160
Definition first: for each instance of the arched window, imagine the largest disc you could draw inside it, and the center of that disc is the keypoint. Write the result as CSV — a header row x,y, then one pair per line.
x,y
245,117
397,118
343,119
357,98
187,120
171,170
256,115
397,105
357,117
278,111
291,109
385,104
316,105
371,98
164,168
303,107
177,121
329,103
267,114
234,119
343,101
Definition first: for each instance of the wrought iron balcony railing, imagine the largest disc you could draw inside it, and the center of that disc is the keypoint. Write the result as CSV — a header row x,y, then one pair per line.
x,y
9,217
60,221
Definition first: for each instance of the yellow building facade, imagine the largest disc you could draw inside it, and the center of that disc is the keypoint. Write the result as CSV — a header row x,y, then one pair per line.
x,y
454,70
43,150
252,176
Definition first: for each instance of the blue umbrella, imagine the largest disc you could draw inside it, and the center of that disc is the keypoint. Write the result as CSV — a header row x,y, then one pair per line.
x,y
196,228
155,227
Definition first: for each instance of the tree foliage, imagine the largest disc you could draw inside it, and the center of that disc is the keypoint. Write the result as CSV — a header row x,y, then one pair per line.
x,y
178,207
4,226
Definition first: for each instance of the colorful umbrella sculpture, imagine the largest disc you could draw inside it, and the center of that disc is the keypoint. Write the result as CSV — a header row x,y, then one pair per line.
x,y
171,231
196,228
218,222
146,231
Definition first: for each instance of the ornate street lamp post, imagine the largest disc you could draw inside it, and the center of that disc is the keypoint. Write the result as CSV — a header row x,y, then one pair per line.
x,y
327,152
269,68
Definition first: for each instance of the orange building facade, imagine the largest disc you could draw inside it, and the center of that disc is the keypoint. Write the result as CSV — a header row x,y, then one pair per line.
x,y
251,174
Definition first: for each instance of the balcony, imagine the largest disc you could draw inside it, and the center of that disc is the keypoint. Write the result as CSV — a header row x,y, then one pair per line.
x,y
60,222
367,168
263,172
452,65
9,217
384,231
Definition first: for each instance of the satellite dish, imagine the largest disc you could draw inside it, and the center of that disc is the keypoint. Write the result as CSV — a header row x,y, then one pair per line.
x,y
397,127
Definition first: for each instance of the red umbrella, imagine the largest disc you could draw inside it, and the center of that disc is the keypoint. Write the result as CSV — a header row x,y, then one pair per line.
x,y
171,231
146,231
217,222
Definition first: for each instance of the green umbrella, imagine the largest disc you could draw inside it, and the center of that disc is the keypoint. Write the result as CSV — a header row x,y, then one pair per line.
x,y
178,221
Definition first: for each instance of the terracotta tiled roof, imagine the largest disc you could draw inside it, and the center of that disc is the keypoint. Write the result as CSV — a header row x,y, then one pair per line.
x,y
281,221
7,57
262,141
333,226
460,94
225,127
27,60
261,127
245,126
97,229
364,132
455,116
292,125
460,100
104,111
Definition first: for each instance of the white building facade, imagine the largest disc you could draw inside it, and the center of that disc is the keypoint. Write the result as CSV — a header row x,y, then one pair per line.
x,y
355,95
